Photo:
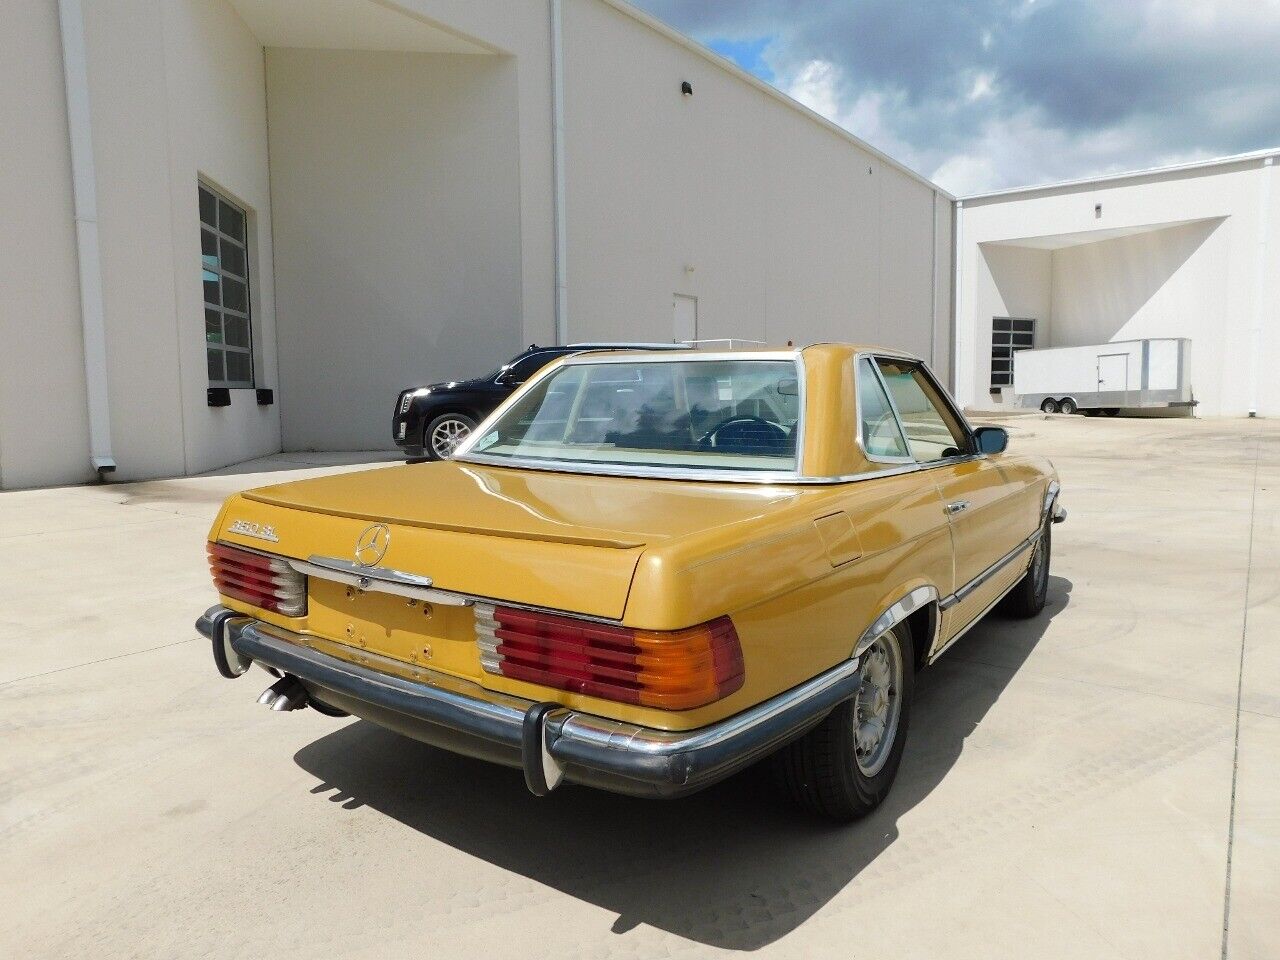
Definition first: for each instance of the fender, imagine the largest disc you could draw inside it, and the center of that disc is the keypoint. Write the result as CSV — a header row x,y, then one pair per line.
x,y
909,603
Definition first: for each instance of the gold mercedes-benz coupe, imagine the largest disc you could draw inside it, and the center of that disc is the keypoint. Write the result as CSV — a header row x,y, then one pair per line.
x,y
646,571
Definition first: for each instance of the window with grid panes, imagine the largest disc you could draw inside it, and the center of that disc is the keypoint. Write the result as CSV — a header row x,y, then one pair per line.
x,y
1008,336
224,264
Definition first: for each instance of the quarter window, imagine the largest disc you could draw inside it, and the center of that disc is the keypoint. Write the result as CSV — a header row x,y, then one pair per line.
x,y
933,432
1008,336
881,436
224,267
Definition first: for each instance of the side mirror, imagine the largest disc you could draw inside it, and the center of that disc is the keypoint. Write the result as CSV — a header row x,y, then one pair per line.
x,y
991,439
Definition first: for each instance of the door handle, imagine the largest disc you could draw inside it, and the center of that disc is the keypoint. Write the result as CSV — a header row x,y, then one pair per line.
x,y
956,507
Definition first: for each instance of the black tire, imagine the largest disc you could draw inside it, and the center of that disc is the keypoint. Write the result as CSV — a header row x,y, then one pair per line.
x,y
1049,405
436,434
1027,599
1067,405
821,771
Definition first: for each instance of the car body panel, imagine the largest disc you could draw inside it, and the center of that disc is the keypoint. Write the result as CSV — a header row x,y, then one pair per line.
x,y
803,566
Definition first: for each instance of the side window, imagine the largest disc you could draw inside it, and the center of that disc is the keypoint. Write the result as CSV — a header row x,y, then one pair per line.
x,y
881,437
932,430
525,368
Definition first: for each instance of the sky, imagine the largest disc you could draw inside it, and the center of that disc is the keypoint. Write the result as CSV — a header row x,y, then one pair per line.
x,y
979,95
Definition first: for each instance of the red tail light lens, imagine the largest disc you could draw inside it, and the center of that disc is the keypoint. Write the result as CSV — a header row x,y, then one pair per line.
x,y
258,579
671,670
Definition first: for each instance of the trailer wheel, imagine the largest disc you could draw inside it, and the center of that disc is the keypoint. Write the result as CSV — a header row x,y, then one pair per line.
x,y
1067,405
1049,405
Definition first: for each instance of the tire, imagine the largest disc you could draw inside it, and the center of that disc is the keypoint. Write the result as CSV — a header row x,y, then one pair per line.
x,y
1067,405
823,771
444,433
1027,599
1049,405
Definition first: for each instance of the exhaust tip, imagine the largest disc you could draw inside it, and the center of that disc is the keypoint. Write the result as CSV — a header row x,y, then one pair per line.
x,y
285,694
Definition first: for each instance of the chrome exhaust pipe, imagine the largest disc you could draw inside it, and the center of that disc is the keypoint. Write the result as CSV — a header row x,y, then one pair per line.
x,y
285,694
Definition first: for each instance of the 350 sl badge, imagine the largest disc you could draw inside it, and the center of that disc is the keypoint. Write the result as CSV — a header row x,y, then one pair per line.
x,y
259,531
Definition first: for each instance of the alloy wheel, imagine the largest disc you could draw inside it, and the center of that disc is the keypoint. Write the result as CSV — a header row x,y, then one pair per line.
x,y
878,704
446,436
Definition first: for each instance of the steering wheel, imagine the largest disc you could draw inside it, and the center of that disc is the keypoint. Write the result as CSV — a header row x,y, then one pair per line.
x,y
743,431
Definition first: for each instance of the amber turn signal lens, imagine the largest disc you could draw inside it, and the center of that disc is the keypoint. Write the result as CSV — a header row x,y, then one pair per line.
x,y
667,669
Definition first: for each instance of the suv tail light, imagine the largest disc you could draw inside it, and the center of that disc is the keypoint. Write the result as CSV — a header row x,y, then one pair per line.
x,y
668,669
258,579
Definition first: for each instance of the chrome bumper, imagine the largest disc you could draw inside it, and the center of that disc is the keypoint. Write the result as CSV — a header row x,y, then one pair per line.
x,y
548,742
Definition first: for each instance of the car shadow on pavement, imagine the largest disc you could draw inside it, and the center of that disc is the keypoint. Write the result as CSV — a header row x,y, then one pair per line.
x,y
733,866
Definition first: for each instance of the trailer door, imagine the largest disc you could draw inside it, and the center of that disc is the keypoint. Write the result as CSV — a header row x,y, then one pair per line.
x,y
1113,372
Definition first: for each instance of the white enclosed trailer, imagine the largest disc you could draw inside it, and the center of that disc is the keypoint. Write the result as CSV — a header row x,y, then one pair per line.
x,y
1107,377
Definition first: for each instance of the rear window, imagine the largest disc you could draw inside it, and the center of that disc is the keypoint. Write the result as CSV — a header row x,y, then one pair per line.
x,y
719,414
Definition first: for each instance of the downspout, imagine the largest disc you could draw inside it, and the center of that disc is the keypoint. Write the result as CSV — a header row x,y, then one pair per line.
x,y
1260,290
85,202
933,302
557,171
957,305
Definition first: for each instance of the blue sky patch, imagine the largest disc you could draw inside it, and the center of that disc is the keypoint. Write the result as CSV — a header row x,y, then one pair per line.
x,y
748,54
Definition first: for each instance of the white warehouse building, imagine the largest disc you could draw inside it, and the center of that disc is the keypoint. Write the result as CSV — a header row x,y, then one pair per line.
x,y
1189,252
234,227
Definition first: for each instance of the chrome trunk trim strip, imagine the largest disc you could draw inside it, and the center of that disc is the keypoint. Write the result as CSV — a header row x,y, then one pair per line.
x,y
379,580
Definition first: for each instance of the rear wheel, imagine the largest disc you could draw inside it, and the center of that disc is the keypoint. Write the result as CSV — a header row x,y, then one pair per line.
x,y
445,432
844,767
1067,405
1027,599
1049,405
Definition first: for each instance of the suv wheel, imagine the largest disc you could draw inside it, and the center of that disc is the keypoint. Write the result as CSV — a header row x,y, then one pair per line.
x,y
444,433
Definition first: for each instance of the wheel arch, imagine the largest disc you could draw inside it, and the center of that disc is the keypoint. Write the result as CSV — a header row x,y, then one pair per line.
x,y
916,607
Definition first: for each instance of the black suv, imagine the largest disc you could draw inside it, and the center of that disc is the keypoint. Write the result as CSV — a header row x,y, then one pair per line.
x,y
430,421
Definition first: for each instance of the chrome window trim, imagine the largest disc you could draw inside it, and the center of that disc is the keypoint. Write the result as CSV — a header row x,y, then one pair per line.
x,y
639,471
712,475
873,356
860,436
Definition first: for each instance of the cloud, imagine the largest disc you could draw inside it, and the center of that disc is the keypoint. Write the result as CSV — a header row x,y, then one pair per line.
x,y
984,94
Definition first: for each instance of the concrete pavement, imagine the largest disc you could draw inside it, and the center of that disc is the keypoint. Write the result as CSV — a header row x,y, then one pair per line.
x,y
1099,782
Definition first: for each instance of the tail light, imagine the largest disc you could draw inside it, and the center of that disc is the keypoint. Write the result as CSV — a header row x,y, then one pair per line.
x,y
668,669
258,579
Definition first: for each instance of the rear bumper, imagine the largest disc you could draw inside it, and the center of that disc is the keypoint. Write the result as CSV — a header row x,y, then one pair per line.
x,y
547,741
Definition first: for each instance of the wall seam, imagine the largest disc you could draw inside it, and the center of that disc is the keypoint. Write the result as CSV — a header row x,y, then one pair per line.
x,y
173,267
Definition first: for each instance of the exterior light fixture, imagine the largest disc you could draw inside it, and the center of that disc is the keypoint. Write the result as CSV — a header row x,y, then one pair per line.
x,y
686,88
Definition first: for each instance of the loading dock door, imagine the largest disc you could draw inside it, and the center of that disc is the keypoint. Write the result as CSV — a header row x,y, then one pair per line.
x,y
1113,372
